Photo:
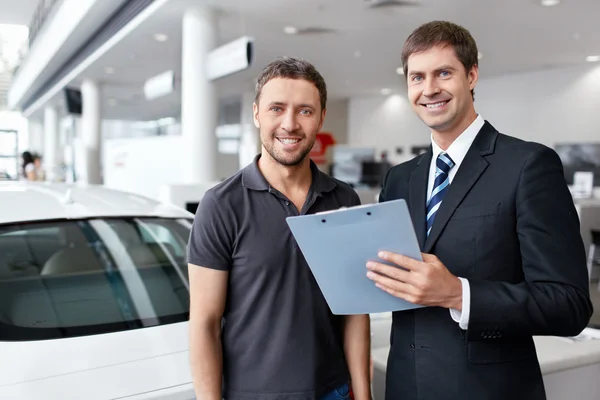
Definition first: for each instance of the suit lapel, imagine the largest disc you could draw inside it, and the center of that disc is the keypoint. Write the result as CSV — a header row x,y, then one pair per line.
x,y
418,196
471,168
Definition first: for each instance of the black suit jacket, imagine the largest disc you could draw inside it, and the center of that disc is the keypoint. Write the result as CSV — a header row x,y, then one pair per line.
x,y
508,224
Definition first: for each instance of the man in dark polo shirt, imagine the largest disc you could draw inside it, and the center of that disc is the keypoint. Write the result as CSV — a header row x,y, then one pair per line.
x,y
259,325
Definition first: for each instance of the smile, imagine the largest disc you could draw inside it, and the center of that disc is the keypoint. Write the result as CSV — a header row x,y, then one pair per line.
x,y
433,106
288,141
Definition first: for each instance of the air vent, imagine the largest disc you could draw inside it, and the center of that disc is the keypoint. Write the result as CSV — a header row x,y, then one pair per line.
x,y
374,4
313,30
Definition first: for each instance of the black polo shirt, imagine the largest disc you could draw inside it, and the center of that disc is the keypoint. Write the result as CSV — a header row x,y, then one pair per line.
x,y
279,337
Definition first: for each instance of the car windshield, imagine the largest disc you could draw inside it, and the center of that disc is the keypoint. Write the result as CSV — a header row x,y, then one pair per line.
x,y
81,277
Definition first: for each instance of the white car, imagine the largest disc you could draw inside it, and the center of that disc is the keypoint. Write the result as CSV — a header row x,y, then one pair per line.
x,y
94,297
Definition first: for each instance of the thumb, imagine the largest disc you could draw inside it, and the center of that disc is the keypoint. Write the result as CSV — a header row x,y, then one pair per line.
x,y
429,258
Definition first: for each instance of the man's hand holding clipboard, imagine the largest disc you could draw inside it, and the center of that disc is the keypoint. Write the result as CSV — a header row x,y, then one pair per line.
x,y
427,282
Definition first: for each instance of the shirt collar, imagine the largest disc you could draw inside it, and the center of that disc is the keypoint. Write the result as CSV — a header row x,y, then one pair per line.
x,y
253,179
459,148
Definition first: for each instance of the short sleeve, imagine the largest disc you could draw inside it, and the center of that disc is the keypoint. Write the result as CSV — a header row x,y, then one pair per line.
x,y
348,196
210,243
382,193
355,200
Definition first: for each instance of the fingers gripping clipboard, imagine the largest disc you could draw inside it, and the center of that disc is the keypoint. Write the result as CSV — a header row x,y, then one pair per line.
x,y
338,244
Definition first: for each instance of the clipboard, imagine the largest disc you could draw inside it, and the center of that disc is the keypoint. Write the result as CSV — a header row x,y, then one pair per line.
x,y
338,244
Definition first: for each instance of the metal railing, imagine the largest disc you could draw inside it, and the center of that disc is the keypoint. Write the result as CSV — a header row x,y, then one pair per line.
x,y
40,15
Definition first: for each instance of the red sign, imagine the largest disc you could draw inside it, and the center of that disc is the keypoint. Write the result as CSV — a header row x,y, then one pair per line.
x,y
319,151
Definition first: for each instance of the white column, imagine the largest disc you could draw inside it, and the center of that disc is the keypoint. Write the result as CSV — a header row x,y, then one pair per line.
x,y
250,144
35,131
90,132
198,97
51,159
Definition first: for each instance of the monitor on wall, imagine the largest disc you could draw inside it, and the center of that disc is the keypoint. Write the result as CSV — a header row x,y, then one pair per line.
x,y
73,101
580,157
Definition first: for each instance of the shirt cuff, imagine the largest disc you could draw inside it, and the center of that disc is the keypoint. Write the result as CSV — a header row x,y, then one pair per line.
x,y
463,317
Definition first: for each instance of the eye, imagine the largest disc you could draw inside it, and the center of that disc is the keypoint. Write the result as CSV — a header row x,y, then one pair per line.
x,y
416,78
275,108
305,112
444,74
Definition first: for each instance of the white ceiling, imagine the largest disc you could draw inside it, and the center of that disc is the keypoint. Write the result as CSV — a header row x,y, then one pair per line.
x,y
17,12
13,13
362,53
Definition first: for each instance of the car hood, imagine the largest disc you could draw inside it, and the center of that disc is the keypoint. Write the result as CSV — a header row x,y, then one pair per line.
x,y
107,366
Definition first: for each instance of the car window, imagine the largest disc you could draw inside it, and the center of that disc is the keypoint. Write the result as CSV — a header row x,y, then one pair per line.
x,y
155,232
71,278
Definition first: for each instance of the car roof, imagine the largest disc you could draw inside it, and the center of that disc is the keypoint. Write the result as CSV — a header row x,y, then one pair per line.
x,y
38,201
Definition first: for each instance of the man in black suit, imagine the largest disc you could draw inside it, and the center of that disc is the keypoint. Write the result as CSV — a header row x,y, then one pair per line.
x,y
503,258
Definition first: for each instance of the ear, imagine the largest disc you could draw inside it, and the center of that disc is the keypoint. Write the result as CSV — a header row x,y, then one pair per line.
x,y
473,77
322,118
255,115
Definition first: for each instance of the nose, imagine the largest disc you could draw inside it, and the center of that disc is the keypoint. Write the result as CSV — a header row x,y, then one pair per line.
x,y
430,88
290,121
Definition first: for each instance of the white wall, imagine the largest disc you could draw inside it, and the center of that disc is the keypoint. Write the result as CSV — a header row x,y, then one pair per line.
x,y
385,123
552,106
142,165
336,120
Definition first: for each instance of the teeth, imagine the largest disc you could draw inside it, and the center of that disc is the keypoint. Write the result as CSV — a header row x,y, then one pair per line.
x,y
436,105
289,141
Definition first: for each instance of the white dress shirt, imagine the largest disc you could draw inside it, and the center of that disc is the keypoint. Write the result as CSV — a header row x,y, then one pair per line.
x,y
457,152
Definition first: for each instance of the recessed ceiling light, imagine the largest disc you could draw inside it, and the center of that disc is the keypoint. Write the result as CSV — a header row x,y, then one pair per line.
x,y
479,56
160,37
290,30
400,71
549,3
386,91
109,70
592,58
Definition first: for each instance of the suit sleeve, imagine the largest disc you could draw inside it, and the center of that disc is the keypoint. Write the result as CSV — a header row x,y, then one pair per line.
x,y
553,298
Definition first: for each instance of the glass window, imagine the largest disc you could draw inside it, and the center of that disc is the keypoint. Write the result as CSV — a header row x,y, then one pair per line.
x,y
72,278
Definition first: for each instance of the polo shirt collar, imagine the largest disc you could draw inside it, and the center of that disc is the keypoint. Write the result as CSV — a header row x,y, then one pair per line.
x,y
253,179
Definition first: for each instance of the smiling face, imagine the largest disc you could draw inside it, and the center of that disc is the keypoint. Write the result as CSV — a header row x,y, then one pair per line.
x,y
289,116
439,89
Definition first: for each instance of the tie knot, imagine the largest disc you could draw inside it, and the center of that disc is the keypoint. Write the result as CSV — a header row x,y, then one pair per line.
x,y
444,162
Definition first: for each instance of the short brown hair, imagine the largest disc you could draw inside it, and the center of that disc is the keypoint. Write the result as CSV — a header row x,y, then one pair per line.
x,y
442,33
292,68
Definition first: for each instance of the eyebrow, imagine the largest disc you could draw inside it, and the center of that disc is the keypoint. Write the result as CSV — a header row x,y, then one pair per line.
x,y
441,68
281,103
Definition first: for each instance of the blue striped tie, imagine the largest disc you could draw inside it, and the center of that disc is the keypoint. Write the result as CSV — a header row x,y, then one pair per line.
x,y
440,186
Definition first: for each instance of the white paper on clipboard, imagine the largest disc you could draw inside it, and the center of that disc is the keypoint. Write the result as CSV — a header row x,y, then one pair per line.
x,y
338,244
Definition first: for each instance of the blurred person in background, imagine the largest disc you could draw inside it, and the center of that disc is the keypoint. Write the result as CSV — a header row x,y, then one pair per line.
x,y
39,168
28,170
